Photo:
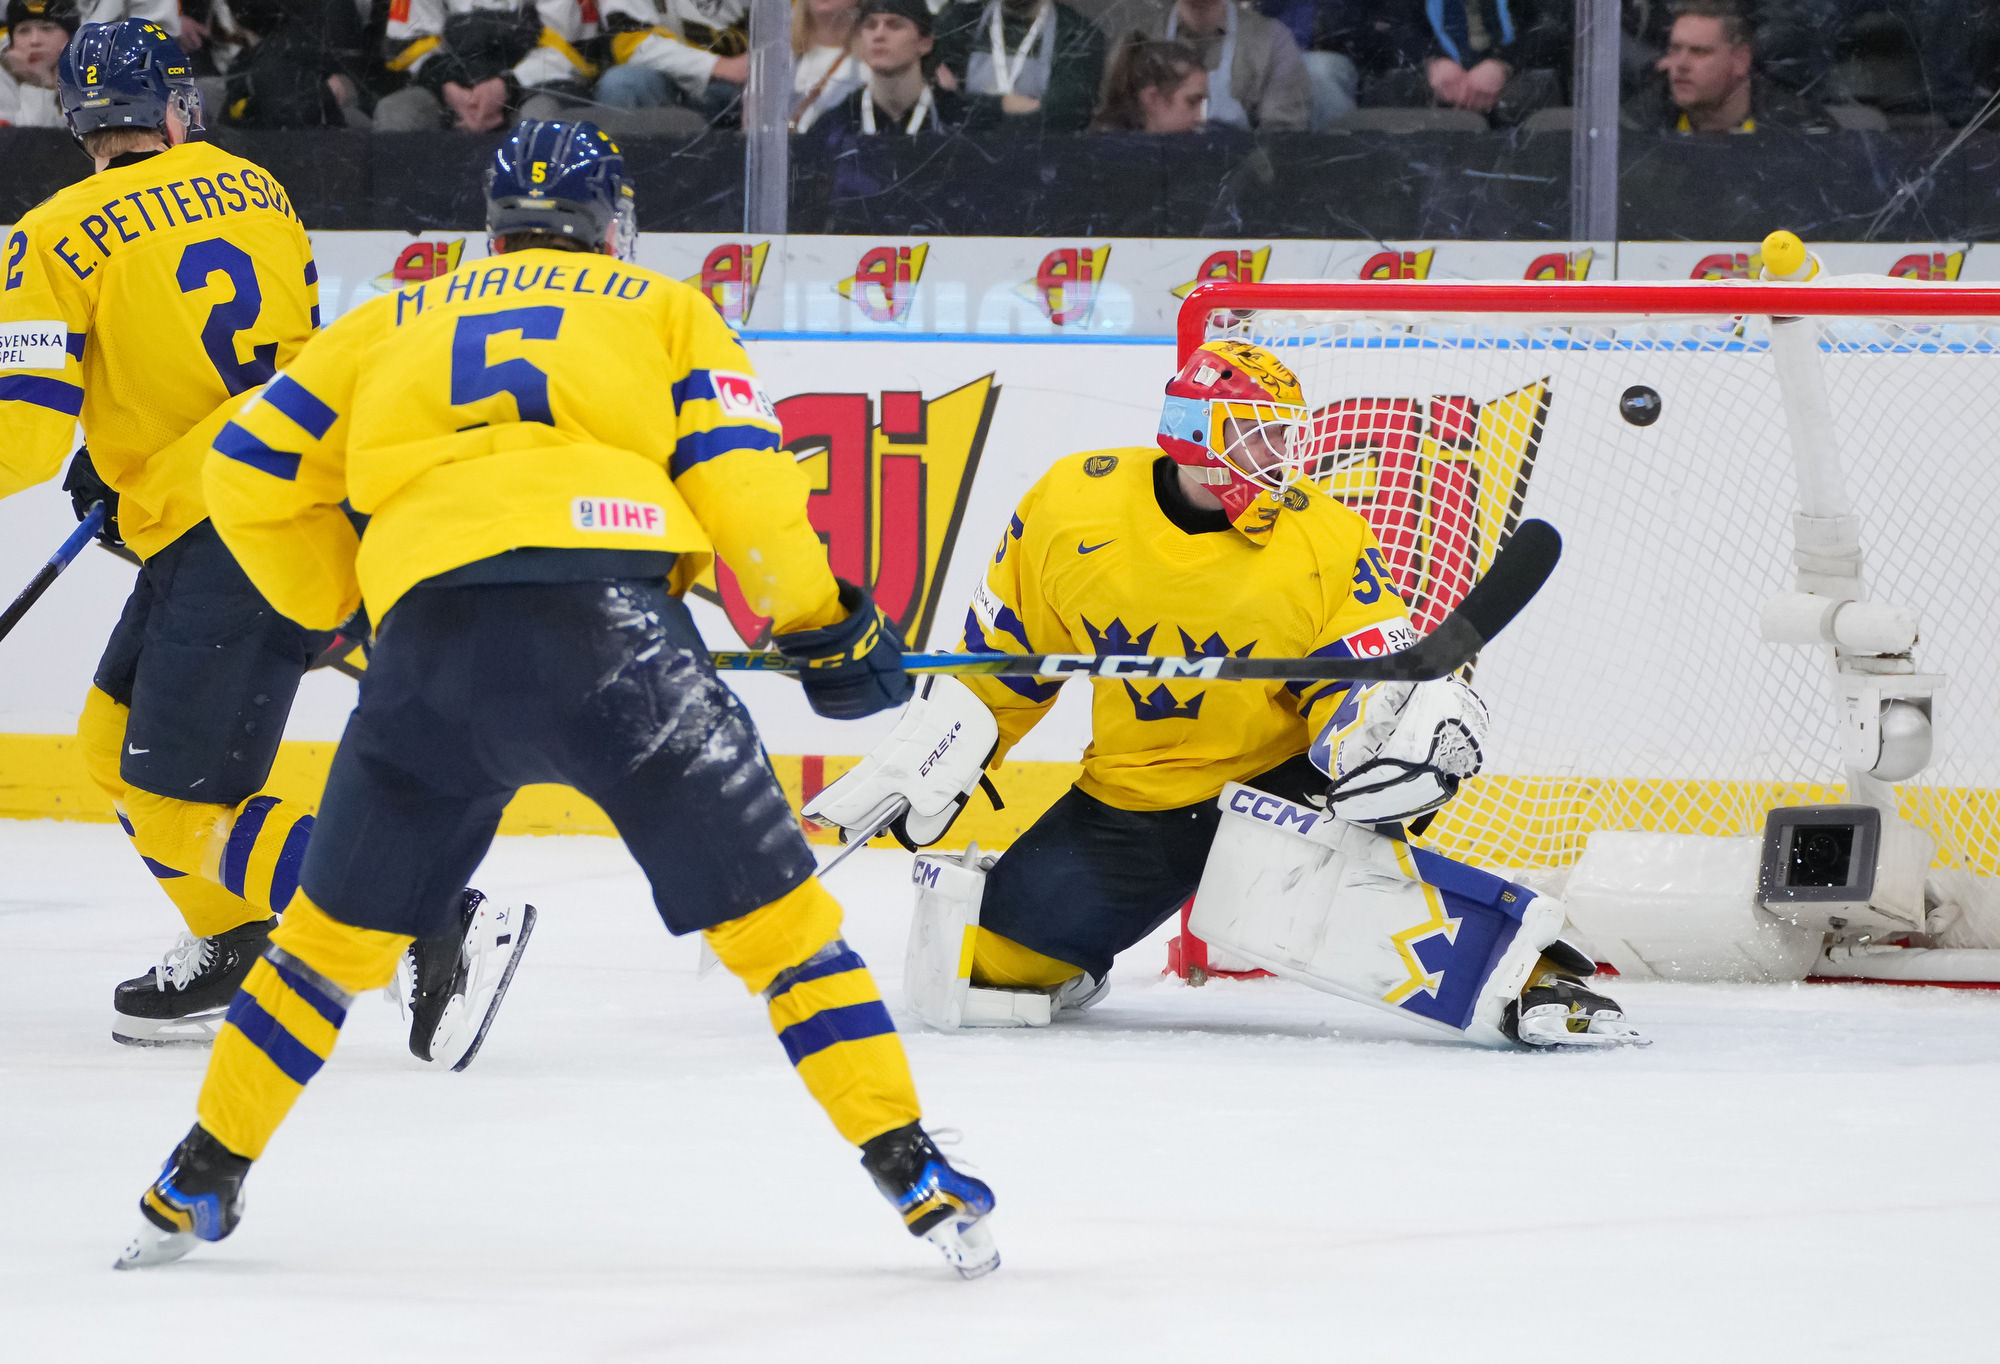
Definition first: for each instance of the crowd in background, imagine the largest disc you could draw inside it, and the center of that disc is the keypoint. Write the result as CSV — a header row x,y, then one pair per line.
x,y
1047,66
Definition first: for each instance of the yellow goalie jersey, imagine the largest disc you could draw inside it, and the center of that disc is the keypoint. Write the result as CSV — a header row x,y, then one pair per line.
x,y
145,301
1091,564
542,398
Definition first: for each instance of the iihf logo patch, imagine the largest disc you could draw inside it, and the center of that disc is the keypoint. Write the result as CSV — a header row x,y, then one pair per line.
x,y
618,516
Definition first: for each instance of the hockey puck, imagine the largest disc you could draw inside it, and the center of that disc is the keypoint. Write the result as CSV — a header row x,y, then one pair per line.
x,y
1639,405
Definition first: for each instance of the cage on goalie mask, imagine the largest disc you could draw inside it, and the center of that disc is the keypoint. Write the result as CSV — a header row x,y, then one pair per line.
x,y
1237,417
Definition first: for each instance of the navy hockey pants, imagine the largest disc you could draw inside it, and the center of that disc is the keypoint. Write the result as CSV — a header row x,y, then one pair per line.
x,y
472,692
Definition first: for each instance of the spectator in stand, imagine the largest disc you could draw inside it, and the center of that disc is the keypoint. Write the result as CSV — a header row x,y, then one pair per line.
x,y
37,33
896,36
287,63
1708,84
1154,88
1032,64
1256,78
825,70
1501,58
1317,26
472,63
677,54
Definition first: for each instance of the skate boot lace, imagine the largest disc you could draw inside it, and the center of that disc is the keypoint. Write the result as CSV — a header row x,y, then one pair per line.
x,y
186,959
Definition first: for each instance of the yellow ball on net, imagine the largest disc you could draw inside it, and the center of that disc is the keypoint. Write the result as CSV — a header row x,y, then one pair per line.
x,y
1784,253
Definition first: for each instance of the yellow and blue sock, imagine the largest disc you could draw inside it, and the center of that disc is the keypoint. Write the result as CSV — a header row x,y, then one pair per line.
x,y
222,866
825,1008
283,1023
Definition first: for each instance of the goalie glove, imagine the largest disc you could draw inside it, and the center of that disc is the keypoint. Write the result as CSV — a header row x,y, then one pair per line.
x,y
1398,750
933,759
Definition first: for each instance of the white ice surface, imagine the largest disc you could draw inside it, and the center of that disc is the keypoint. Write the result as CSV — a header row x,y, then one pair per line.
x,y
1247,1171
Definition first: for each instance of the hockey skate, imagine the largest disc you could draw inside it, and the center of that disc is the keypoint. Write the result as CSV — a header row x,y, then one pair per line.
x,y
1558,1010
450,986
937,1203
182,1001
198,1197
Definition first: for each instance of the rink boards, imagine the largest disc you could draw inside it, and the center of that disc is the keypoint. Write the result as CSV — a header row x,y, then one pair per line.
x,y
922,443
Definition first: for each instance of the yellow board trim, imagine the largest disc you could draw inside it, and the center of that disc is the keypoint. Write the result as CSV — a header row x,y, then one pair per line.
x,y
1497,821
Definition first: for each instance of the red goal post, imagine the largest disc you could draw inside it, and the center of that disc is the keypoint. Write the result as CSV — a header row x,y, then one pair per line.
x,y
1635,693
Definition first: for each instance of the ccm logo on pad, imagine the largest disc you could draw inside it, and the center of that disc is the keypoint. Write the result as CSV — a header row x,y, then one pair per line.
x,y
1270,810
619,515
739,396
1392,636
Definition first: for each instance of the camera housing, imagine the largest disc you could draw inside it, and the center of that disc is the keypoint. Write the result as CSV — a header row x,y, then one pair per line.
x,y
1843,866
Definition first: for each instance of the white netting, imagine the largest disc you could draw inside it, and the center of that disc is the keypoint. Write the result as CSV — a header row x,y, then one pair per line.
x,y
1635,692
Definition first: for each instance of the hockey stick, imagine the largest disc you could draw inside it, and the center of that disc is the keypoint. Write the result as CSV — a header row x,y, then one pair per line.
x,y
1518,572
51,570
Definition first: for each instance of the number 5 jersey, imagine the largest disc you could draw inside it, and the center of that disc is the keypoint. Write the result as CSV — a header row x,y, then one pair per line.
x,y
146,301
541,399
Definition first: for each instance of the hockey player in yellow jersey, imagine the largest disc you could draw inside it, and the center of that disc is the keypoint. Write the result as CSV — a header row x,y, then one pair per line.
x,y
156,298
551,445
156,294
1214,543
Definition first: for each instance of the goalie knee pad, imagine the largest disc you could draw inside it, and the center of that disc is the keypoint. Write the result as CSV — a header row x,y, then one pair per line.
x,y
937,968
933,759
1398,750
1343,909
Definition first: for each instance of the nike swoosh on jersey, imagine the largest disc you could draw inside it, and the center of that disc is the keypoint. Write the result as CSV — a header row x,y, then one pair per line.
x,y
1082,548
130,749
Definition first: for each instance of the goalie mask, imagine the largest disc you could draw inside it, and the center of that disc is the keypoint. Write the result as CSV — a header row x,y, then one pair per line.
x,y
1236,418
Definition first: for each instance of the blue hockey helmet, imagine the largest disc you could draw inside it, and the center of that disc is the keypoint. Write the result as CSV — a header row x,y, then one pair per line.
x,y
126,75
566,179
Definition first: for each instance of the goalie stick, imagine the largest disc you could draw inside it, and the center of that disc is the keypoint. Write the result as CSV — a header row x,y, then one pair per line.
x,y
1518,572
51,570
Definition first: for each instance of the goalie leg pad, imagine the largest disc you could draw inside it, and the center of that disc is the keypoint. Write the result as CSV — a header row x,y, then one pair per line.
x,y
1343,909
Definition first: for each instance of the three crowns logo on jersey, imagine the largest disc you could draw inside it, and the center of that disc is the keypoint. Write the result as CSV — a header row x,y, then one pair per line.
x,y
729,277
884,282
891,477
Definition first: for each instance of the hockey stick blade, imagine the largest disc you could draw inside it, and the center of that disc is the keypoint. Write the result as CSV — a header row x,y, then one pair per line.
x,y
1518,572
51,570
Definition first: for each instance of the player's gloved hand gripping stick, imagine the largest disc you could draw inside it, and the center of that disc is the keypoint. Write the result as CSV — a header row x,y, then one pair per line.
x,y
1518,572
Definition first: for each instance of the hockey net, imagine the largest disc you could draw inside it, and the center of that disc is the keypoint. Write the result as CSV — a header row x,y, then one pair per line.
x,y
1635,692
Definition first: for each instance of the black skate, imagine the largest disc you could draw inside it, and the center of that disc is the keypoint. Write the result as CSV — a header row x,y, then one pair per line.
x,y
198,1197
1558,1010
181,1002
937,1203
452,985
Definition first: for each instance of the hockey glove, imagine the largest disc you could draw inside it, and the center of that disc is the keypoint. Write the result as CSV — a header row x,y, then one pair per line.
x,y
86,490
933,761
1398,750
854,668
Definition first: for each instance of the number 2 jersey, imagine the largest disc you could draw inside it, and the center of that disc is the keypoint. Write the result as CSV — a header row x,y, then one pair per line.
x,y
541,399
144,301
1092,564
